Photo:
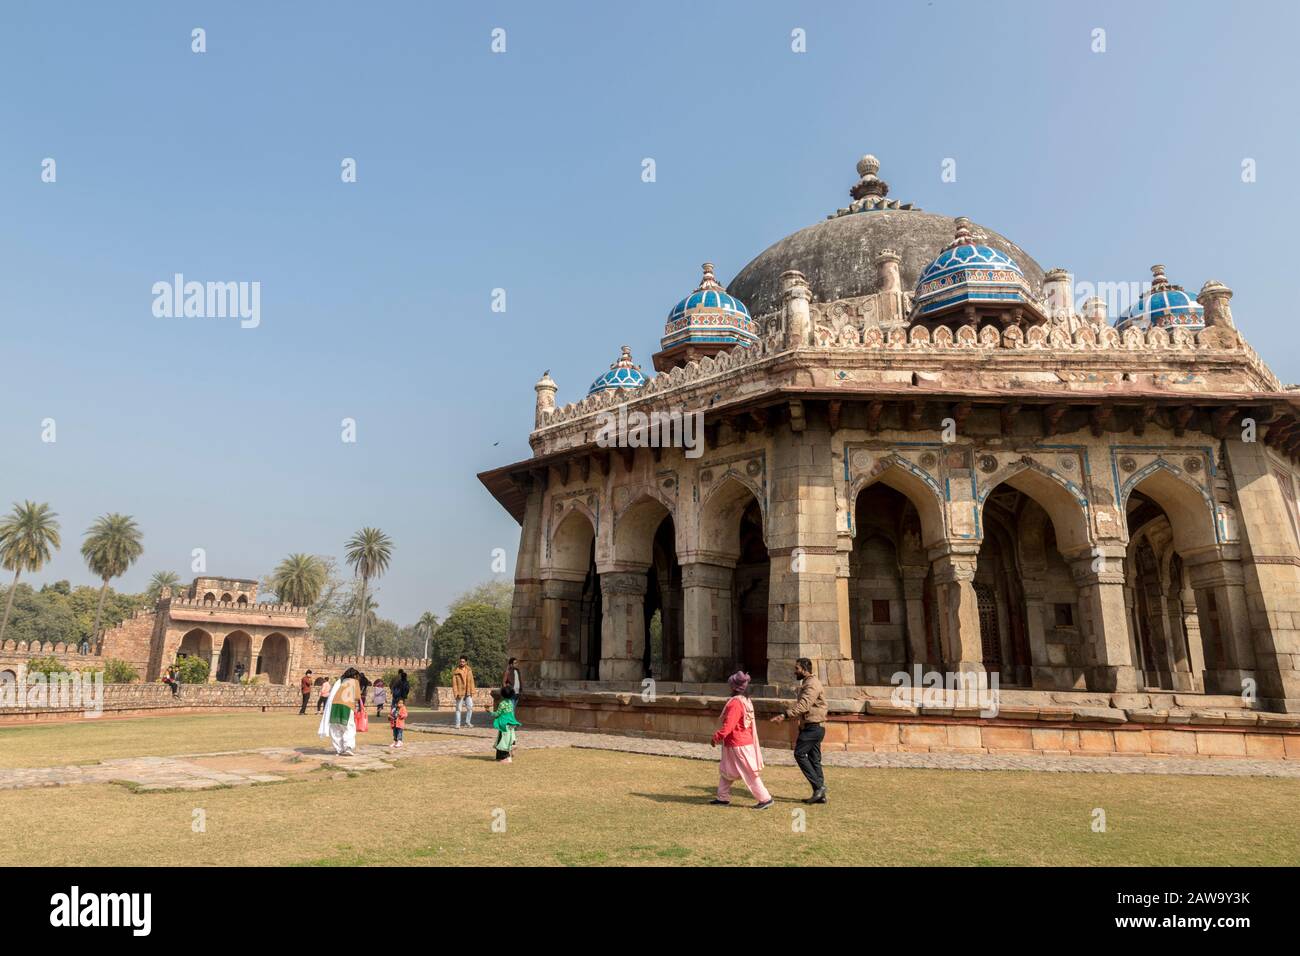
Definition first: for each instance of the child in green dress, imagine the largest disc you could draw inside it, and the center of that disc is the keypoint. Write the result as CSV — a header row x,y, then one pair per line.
x,y
505,723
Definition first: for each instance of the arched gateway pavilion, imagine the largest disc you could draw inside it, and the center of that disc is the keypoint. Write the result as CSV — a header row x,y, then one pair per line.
x,y
917,449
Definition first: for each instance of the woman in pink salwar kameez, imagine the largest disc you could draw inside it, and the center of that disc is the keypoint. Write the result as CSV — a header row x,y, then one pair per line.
x,y
742,758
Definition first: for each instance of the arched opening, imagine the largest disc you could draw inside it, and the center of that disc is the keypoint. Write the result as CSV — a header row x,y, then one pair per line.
x,y
882,603
209,598
645,535
663,606
273,661
243,600
233,663
729,609
1028,603
196,643
1180,634
751,577
573,601
225,598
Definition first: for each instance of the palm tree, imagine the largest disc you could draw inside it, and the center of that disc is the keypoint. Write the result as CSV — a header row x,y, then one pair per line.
x,y
160,580
26,539
427,624
112,544
368,552
299,579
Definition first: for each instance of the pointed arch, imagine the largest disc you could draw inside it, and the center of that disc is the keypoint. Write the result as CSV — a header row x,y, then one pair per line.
x,y
571,541
912,483
635,527
720,514
1190,509
1064,501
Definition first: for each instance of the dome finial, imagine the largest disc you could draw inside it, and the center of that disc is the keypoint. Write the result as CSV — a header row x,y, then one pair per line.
x,y
963,234
709,281
1158,279
869,184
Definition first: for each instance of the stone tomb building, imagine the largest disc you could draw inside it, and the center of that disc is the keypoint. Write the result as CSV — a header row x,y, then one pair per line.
x,y
917,449
219,620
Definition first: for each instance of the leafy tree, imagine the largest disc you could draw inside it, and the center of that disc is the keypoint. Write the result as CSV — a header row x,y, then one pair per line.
x,y
498,594
119,672
160,580
112,545
46,665
477,631
27,539
192,670
368,552
299,579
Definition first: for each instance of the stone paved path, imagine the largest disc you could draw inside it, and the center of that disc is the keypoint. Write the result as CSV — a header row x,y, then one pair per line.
x,y
277,764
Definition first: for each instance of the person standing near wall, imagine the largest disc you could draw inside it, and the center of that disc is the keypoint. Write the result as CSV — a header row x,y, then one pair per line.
x,y
810,708
401,687
462,689
306,691
324,694
514,680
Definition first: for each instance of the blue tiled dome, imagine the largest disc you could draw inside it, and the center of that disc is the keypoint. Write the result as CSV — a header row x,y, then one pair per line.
x,y
709,315
622,374
967,271
1164,306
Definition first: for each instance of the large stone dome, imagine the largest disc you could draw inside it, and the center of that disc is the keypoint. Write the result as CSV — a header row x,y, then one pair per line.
x,y
837,256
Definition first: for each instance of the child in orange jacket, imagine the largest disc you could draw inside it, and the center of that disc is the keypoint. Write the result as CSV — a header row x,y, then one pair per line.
x,y
397,720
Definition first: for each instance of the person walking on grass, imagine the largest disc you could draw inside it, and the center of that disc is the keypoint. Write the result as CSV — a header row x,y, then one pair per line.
x,y
397,720
504,722
380,697
514,680
742,756
305,687
325,684
810,709
339,722
462,688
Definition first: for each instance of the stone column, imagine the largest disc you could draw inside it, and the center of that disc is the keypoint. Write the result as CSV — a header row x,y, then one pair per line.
x,y
802,536
1043,674
1271,562
218,642
708,642
914,614
524,640
622,629
560,654
959,617
847,637
1103,622
1221,580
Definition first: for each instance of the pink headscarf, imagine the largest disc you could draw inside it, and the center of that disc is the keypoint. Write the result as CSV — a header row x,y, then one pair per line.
x,y
739,682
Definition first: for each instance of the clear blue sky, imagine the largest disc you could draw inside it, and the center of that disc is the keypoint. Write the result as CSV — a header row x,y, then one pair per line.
x,y
522,171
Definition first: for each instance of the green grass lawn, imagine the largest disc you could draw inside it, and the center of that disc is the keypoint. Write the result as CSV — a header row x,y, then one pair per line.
x,y
576,807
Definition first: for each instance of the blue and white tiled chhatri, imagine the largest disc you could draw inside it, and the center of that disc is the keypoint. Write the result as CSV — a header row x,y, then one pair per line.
x,y
709,315
1164,306
968,272
622,374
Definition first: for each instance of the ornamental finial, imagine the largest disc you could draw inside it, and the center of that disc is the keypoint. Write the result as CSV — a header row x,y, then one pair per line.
x,y
868,183
709,281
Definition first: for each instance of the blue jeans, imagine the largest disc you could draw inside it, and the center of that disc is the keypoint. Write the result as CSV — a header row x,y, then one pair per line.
x,y
468,704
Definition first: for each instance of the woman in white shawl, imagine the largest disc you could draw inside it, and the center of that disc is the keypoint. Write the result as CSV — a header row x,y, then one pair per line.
x,y
339,722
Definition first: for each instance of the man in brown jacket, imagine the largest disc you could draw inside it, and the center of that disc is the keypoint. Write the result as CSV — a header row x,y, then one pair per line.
x,y
462,688
810,708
